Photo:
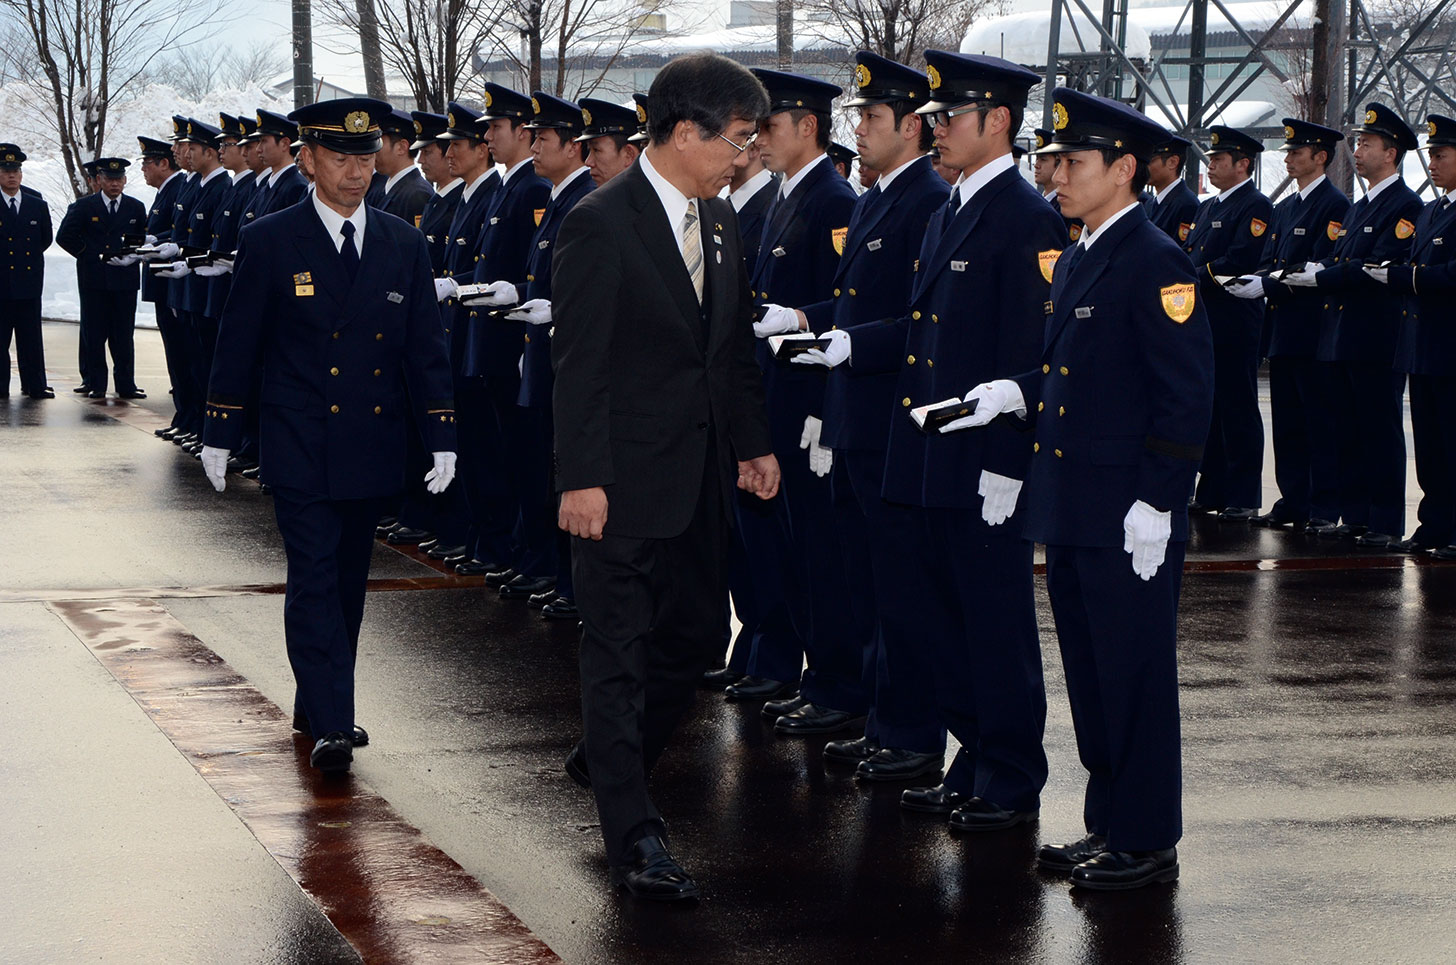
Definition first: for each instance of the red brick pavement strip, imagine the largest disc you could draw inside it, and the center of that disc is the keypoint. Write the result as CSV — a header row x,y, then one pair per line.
x,y
390,892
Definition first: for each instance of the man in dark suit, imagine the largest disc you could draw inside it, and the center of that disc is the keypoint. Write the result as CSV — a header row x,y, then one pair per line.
x,y
94,231
25,224
656,396
1120,405
337,306
1171,204
405,188
160,171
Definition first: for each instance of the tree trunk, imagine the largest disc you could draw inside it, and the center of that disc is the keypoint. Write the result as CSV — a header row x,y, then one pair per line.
x,y
785,14
369,47
302,53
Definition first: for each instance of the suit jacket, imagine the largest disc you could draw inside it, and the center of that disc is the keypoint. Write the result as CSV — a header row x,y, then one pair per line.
x,y
93,235
1427,344
226,224
27,235
1303,231
1122,399
374,196
159,225
1360,321
1228,238
536,356
435,221
976,313
408,197
643,373
873,282
492,347
751,218
342,363
1175,215
206,204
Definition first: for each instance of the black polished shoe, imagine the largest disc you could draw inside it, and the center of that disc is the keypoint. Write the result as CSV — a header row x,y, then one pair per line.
x,y
386,526
537,600
523,586
1121,870
813,719
425,545
1195,508
575,766
253,473
978,814
1315,524
774,709
132,394
1413,545
1444,552
760,688
240,463
408,536
1275,519
720,678
166,432
932,800
1374,541
851,751
898,764
332,754
652,873
499,576
476,568
50,393
1341,531
1062,858
561,608
454,561
438,552
1237,514
182,438
93,394
360,737
82,389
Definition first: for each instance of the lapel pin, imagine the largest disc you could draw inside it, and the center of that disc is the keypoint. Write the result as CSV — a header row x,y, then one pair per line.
x,y
395,297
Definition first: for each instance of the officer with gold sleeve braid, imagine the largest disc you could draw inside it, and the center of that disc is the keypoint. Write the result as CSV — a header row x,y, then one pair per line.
x,y
336,304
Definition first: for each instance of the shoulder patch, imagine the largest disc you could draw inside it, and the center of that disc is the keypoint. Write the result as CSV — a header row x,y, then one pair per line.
x,y
1257,227
1047,260
837,236
1178,301
1404,229
1183,229
1074,231
538,214
1332,230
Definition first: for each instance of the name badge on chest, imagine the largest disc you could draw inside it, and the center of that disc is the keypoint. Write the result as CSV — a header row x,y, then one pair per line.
x,y
543,244
779,252
876,244
1216,224
1299,232
1083,311
394,298
495,220
958,266
1438,241
1368,229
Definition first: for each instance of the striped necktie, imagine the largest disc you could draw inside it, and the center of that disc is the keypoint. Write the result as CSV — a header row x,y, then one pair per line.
x,y
693,248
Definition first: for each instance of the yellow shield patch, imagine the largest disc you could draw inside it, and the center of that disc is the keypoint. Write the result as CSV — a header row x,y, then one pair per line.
x,y
539,212
1074,231
417,219
1332,230
837,236
1178,301
1404,229
1257,227
1183,230
1047,260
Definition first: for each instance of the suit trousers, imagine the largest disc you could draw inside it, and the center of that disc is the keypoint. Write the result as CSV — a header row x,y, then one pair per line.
x,y
108,320
532,479
1233,457
20,317
1306,472
1118,637
483,454
855,484
1369,418
743,594
1433,428
651,615
204,347
328,543
177,348
761,579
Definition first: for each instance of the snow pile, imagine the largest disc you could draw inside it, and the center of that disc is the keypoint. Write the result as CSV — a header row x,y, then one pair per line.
x,y
1023,38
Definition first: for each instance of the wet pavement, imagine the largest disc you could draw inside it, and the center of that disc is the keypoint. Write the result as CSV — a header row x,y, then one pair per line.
x,y
1319,748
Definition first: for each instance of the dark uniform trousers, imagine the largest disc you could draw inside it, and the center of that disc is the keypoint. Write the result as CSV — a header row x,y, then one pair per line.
x,y
1305,473
27,234
108,320
20,319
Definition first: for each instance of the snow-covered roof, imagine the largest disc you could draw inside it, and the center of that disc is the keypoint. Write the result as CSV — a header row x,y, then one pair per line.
x,y
1255,16
1023,37
1239,114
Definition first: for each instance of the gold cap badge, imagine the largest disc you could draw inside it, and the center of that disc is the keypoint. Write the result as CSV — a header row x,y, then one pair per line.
x,y
1060,120
1288,133
586,117
535,106
933,76
356,122
861,76
1370,117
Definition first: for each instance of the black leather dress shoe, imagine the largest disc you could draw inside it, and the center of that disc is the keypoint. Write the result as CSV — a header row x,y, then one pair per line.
x,y
438,552
93,394
1374,541
1062,858
1196,508
978,814
132,394
360,736
1444,552
523,586
253,473
851,751
454,561
332,754
475,568
50,393
1237,514
1276,518
537,600
775,709
240,463
166,432
720,678
1415,544
1340,531
652,873
425,545
408,536
182,438
575,766
1121,870
499,577
898,764
813,719
932,800
760,688
561,608
1313,525
82,389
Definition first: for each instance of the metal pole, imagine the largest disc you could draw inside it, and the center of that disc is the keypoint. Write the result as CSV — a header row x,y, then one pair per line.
x,y
1197,52
302,53
1054,51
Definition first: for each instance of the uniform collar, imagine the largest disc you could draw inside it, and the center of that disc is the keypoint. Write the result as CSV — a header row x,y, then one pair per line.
x,y
273,178
1225,195
1172,186
984,175
334,222
749,188
473,185
1377,188
885,179
1088,237
448,186
557,189
794,181
506,178
395,177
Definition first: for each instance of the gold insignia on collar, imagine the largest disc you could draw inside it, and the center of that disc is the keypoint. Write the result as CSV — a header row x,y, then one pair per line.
x,y
356,122
861,76
933,76
1288,133
1060,120
1178,301
1371,117
586,117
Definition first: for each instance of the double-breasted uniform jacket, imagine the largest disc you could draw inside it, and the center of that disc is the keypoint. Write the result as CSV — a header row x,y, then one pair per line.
x,y
226,223
1228,238
342,363
435,221
536,354
207,204
1123,395
290,188
643,371
493,347
873,282
461,241
1175,215
93,235
1427,344
1360,320
976,313
751,218
181,228
27,235
1303,230
159,226
407,199
798,256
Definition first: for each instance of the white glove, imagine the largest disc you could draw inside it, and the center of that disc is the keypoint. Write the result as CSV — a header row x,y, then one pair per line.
x,y
992,399
1145,536
214,463
213,270
1304,278
837,352
497,294
1381,275
443,474
999,494
445,288
776,320
167,252
1249,286
521,365
821,459
178,269
150,239
123,261
537,311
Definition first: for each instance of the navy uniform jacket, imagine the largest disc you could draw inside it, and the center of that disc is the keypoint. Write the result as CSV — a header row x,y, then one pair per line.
x,y
1073,225
93,235
177,287
976,310
798,256
435,223
408,197
226,224
1228,238
1302,231
27,235
536,358
206,204
290,188
460,258
1123,396
1176,214
159,226
374,196
874,280
492,347
1427,344
1360,318
750,219
337,359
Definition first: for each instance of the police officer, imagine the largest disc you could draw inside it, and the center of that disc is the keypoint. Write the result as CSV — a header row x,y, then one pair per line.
x,y
25,224
1227,239
608,137
1120,406
1358,330
160,171
336,304
1171,205
405,189
842,158
752,192
95,231
440,206
1042,169
284,185
1304,229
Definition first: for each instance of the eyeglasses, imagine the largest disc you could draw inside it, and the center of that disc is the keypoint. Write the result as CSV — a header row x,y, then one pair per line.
x,y
943,118
740,148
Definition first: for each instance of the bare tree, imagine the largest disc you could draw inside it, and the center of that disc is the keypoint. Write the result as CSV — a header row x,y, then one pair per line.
x,y
203,69
898,29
